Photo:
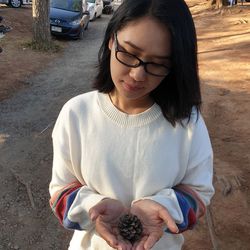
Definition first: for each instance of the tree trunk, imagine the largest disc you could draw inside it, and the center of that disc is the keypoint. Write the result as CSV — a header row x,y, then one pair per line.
x,y
219,3
41,25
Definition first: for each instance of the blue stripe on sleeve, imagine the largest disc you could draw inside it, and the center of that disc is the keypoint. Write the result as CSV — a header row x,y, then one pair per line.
x,y
185,208
66,222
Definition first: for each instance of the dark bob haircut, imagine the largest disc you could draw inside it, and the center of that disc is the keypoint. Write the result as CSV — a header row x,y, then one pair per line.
x,y
179,92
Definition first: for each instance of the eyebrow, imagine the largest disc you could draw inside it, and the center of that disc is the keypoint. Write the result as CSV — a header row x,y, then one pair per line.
x,y
140,49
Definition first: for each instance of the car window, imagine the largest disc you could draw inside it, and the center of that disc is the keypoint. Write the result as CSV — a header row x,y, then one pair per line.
x,y
91,1
71,5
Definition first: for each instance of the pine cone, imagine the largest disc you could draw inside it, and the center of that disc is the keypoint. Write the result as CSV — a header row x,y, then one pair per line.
x,y
130,227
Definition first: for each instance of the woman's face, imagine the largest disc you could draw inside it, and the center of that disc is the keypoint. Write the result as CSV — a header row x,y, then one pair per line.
x,y
148,40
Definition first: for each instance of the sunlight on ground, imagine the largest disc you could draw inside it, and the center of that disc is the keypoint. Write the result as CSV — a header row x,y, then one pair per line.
x,y
3,138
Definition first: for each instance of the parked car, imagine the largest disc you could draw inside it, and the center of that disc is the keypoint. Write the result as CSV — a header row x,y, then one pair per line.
x,y
68,18
95,8
16,3
108,7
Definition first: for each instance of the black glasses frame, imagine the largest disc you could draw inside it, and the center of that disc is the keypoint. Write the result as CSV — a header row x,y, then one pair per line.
x,y
140,62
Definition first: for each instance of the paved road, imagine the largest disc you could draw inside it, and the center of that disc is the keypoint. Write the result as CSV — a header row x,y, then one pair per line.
x,y
26,122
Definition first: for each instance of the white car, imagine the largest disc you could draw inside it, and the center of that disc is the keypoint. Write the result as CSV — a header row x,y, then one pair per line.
x,y
16,3
95,8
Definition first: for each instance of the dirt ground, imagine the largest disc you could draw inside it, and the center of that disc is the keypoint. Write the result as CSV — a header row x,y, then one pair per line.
x,y
17,61
224,62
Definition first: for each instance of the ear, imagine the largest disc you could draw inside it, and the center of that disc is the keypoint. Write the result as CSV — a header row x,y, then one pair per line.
x,y
111,42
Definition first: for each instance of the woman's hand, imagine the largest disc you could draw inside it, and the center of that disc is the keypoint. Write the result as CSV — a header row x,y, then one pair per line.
x,y
106,215
154,218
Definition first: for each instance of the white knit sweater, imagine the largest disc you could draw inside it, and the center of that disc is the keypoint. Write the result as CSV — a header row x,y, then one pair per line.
x,y
127,157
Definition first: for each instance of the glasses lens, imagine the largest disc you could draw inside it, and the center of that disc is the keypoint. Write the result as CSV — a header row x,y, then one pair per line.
x,y
127,59
157,69
132,61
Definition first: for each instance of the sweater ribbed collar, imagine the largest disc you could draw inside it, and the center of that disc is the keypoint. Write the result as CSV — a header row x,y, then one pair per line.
x,y
128,120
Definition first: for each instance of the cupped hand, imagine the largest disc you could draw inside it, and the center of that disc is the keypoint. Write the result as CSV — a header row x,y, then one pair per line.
x,y
155,218
106,215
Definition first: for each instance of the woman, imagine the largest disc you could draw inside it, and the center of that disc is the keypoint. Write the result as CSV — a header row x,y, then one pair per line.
x,y
137,144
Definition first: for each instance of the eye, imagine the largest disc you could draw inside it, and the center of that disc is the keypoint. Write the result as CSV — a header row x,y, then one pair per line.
x,y
162,61
157,69
129,51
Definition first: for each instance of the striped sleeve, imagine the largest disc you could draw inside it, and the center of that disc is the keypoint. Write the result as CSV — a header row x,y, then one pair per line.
x,y
191,206
61,202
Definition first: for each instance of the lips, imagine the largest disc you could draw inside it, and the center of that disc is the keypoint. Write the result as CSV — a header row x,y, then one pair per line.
x,y
131,87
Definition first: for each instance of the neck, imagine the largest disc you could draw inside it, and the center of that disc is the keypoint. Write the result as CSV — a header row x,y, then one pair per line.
x,y
130,106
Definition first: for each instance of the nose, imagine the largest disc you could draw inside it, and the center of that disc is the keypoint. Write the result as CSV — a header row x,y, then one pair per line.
x,y
138,73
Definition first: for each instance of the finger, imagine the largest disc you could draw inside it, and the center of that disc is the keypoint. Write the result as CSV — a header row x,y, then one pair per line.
x,y
151,240
111,240
166,217
96,210
119,248
140,244
106,235
124,246
93,214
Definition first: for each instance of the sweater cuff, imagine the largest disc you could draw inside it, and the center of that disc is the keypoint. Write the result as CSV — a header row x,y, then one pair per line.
x,y
90,198
79,211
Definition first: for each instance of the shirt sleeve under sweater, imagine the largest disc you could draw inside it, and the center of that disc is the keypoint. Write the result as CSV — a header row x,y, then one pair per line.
x,y
127,158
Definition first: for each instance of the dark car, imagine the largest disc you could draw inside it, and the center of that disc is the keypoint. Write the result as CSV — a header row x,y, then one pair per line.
x,y
16,3
108,7
67,18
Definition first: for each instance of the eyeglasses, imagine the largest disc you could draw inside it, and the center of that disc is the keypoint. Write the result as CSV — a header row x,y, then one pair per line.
x,y
133,61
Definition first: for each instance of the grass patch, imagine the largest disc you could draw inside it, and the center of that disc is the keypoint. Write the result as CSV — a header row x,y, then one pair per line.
x,y
43,47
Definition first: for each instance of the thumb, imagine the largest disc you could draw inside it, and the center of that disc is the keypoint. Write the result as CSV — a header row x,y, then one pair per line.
x,y
166,217
93,214
95,211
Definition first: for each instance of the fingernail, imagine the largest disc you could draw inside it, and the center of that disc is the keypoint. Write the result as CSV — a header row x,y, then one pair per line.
x,y
92,216
175,229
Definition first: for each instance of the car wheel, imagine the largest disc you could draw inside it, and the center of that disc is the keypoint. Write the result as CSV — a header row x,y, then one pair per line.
x,y
108,10
15,3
